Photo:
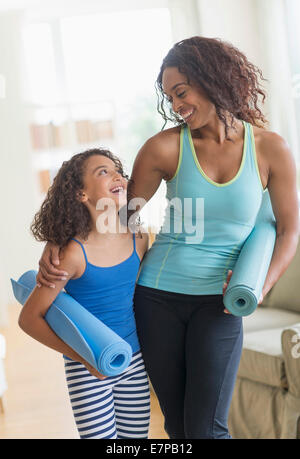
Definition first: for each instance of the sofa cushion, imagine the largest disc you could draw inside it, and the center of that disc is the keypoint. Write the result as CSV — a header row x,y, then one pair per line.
x,y
285,294
265,318
262,359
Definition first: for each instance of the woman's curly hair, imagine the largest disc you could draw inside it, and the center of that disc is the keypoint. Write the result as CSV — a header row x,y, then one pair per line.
x,y
223,72
62,215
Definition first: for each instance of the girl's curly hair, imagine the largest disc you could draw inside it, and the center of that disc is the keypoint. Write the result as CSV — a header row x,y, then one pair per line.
x,y
228,79
62,215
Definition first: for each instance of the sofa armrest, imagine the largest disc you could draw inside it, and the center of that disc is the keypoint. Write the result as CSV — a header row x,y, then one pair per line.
x,y
290,341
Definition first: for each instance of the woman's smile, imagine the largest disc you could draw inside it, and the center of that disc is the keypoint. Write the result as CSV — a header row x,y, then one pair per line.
x,y
187,114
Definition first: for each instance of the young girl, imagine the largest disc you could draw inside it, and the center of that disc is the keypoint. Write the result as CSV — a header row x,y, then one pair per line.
x,y
100,270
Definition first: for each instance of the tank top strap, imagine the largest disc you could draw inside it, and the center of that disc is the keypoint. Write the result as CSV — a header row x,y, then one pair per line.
x,y
134,244
252,156
250,146
84,253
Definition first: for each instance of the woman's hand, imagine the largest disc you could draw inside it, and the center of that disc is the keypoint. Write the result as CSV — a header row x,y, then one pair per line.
x,y
93,371
225,285
261,298
48,274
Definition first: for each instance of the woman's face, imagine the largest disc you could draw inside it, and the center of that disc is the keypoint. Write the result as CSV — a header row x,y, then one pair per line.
x,y
187,100
103,179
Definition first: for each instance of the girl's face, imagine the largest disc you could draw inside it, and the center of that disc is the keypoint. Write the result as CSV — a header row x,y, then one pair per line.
x,y
187,100
103,179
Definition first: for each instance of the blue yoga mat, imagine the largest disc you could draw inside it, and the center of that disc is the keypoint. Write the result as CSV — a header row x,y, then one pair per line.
x,y
250,271
82,331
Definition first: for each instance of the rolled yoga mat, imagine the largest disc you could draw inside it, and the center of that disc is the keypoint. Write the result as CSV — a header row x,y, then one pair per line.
x,y
82,331
249,273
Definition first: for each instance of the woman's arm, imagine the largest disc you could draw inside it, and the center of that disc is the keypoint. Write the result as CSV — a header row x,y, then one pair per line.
x,y
32,316
147,174
142,244
49,274
149,169
153,164
282,186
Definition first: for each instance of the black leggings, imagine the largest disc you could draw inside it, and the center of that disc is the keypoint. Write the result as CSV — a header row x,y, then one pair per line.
x,y
191,350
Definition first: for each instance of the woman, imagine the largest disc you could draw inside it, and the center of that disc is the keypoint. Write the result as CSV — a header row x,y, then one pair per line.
x,y
221,154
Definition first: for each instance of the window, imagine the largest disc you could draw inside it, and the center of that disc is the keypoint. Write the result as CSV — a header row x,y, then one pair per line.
x,y
115,58
91,83
39,57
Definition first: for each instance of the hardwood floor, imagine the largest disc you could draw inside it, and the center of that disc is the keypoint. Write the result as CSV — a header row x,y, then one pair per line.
x,y
36,404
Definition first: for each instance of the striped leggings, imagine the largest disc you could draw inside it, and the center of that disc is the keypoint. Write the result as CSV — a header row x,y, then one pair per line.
x,y
116,407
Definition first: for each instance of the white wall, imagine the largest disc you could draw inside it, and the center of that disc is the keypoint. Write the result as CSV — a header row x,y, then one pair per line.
x,y
258,28
18,188
272,28
234,21
185,19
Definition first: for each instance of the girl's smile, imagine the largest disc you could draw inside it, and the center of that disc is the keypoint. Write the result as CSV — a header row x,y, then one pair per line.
x,y
103,179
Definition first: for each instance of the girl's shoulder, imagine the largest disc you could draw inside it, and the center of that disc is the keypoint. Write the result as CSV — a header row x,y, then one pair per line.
x,y
72,258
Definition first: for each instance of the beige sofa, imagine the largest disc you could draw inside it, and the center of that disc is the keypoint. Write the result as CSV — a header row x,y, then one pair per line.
x,y
266,399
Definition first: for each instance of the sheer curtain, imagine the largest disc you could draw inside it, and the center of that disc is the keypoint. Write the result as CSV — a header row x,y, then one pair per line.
x,y
275,47
292,8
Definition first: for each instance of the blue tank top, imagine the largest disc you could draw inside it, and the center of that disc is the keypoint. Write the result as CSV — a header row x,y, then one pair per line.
x,y
108,294
205,225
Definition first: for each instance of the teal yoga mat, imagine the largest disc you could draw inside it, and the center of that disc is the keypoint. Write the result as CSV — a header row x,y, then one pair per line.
x,y
250,271
88,336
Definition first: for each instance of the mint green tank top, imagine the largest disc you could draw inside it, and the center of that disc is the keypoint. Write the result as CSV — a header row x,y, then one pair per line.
x,y
205,224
